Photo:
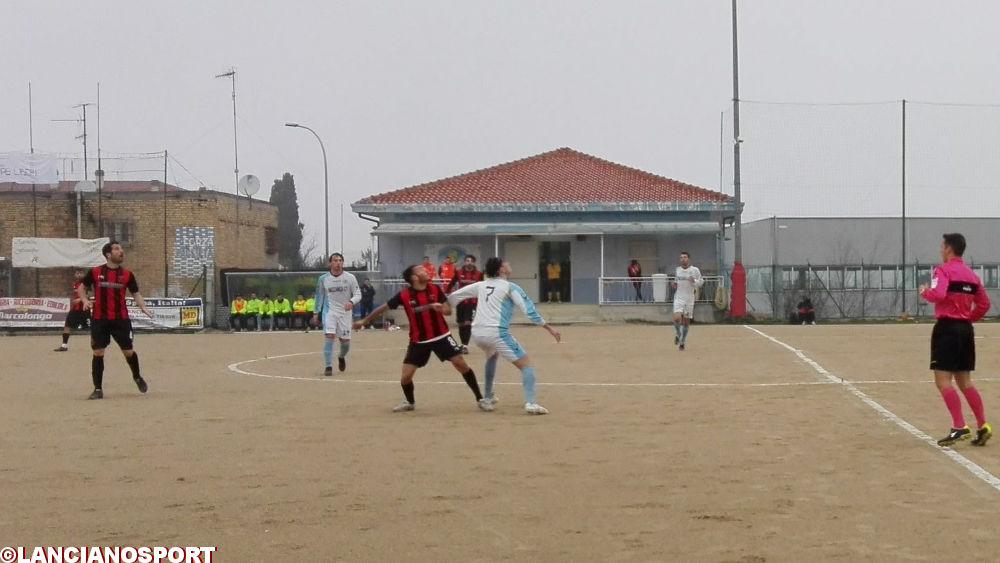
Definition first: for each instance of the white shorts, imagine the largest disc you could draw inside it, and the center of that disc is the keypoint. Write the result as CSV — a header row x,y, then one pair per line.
x,y
685,307
338,323
491,341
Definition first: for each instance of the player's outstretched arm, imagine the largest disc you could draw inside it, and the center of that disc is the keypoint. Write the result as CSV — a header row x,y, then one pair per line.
x,y
555,333
378,311
471,290
523,302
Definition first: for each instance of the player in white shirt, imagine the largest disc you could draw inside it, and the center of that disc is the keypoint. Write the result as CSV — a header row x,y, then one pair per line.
x,y
491,327
336,294
687,280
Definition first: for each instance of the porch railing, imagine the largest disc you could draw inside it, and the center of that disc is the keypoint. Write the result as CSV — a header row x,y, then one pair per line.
x,y
624,291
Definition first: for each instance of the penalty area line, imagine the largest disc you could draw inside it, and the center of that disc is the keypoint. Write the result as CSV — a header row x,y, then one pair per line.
x,y
969,465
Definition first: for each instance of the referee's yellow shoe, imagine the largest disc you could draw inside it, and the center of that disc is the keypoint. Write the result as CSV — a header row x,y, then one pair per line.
x,y
956,435
984,433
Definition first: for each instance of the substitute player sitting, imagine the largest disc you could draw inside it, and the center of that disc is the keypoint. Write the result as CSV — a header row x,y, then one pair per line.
x,y
687,280
491,327
425,305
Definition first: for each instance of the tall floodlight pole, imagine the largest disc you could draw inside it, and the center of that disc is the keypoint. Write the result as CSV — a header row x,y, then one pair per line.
x,y
236,157
326,193
738,306
902,284
738,228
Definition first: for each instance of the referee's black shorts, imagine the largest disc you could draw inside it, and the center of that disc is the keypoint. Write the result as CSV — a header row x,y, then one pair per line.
x,y
103,330
953,346
418,353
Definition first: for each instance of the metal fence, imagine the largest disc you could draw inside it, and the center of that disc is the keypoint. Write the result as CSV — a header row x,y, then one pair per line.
x,y
849,292
611,290
653,289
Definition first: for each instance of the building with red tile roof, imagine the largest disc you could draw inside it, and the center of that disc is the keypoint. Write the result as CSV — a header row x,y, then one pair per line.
x,y
588,215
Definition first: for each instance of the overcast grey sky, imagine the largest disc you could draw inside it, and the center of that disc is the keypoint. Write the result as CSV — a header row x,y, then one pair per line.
x,y
404,92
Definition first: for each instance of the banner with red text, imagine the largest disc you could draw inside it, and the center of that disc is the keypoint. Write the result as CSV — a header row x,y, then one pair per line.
x,y
50,312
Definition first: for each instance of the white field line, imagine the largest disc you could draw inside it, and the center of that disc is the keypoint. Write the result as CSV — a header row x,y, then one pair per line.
x,y
958,458
239,368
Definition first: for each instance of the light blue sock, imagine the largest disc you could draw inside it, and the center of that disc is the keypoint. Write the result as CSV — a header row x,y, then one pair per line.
x,y
684,332
528,382
345,347
328,351
491,371
677,329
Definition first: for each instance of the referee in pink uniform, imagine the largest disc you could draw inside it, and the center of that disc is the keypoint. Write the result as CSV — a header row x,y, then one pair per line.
x,y
959,300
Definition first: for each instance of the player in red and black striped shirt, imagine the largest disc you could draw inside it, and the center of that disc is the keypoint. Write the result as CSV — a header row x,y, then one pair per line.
x,y
468,274
76,317
426,305
109,315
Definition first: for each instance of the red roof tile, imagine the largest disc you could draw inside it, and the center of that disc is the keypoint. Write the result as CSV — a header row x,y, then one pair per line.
x,y
110,186
560,176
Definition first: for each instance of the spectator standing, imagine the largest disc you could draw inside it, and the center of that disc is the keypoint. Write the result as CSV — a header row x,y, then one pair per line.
x,y
367,299
635,274
447,270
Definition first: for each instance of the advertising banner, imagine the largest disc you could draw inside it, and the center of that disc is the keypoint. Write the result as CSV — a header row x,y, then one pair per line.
x,y
168,313
34,312
50,312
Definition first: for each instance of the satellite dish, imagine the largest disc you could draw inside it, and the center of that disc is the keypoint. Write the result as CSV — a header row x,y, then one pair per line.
x,y
248,185
85,186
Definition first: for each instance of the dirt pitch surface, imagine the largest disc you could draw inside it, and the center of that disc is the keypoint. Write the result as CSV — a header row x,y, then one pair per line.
x,y
767,443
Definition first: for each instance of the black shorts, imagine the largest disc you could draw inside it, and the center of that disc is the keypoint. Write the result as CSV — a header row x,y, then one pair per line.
x,y
77,319
953,346
102,331
417,353
465,312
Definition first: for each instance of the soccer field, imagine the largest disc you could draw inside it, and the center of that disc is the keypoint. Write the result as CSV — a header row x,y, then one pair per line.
x,y
766,443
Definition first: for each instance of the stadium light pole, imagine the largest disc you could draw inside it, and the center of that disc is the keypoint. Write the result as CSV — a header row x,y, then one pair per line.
x,y
326,191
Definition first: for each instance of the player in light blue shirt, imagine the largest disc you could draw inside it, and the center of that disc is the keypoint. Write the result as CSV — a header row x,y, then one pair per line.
x,y
336,293
491,327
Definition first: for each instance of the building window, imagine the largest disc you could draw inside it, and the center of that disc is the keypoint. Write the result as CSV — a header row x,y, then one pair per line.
x,y
270,240
121,231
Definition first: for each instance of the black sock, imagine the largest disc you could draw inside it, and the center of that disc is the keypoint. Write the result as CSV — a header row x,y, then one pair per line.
x,y
465,333
133,364
65,338
408,392
470,380
97,371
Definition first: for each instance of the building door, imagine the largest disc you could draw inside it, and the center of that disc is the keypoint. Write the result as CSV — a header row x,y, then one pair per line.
x,y
523,259
555,270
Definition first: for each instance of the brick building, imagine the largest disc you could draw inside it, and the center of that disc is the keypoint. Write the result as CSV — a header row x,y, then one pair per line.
x,y
170,233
